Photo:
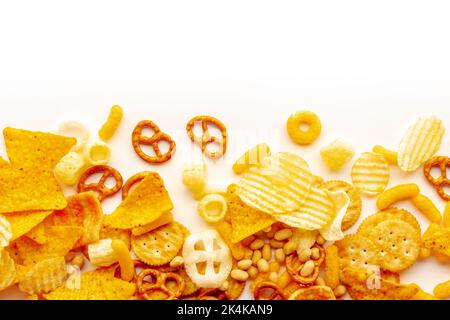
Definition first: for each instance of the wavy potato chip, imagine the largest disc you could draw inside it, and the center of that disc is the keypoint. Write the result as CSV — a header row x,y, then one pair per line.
x,y
251,157
245,220
7,270
370,173
397,243
145,203
420,143
23,222
159,246
60,240
6,233
280,184
44,276
355,206
316,213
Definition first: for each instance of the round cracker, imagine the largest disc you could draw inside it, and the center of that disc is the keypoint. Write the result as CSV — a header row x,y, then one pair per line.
x,y
357,251
354,209
388,214
159,246
398,244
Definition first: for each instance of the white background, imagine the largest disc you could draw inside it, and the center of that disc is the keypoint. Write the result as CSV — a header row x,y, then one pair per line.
x,y
368,68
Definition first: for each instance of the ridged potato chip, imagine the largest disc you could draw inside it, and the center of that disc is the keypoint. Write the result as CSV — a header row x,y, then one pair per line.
x,y
397,243
355,207
159,246
245,220
370,173
7,270
280,184
6,233
420,143
316,213
44,276
23,222
145,203
251,157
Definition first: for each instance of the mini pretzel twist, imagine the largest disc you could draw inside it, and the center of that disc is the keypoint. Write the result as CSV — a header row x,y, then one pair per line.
x,y
100,187
294,267
206,137
442,181
160,280
138,139
276,292
211,294
132,181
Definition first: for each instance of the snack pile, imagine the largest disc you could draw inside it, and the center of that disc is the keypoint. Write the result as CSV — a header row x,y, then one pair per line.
x,y
279,229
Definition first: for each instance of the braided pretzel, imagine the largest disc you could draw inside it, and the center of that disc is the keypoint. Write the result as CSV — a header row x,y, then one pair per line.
x,y
294,267
443,181
138,139
100,187
159,281
275,291
133,181
206,137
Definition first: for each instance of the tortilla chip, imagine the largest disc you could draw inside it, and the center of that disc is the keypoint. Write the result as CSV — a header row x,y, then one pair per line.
x,y
245,220
38,234
29,190
23,222
3,163
60,240
146,203
83,210
28,149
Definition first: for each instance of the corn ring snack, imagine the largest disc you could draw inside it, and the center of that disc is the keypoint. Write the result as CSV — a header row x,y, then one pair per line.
x,y
427,207
69,168
300,136
442,181
446,218
132,181
124,257
6,233
212,208
100,187
397,193
101,254
215,255
370,173
97,153
251,157
194,177
267,290
442,290
390,156
138,139
332,266
112,123
420,143
76,130
206,138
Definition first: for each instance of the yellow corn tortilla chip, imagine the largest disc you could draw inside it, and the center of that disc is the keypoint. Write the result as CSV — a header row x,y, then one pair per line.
x,y
33,189
3,163
60,240
146,203
83,210
28,149
245,220
164,219
23,222
38,234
